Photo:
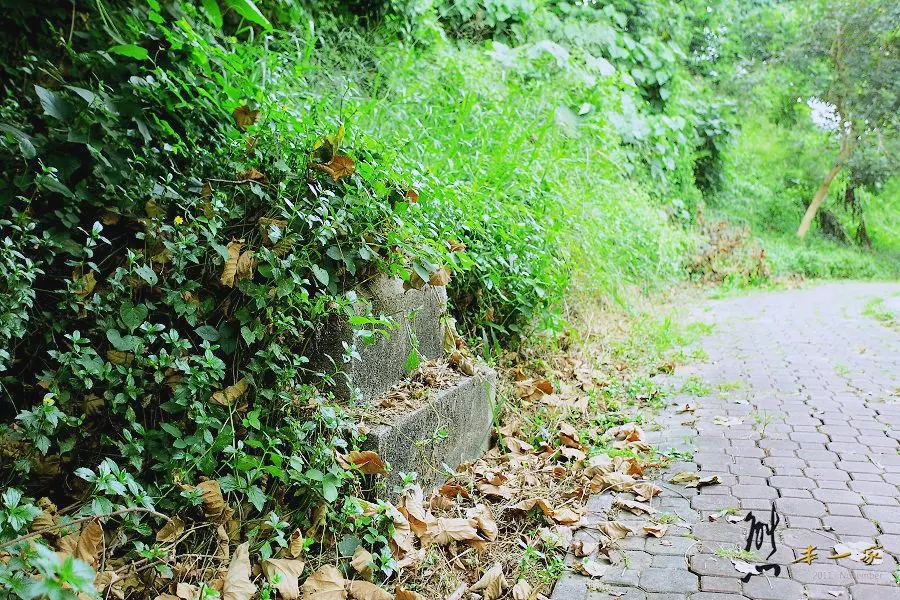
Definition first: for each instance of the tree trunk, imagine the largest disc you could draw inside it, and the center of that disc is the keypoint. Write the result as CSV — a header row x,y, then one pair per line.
x,y
817,200
848,140
855,206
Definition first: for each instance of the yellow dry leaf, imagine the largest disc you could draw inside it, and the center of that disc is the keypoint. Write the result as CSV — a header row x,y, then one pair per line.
x,y
290,571
237,584
213,501
703,482
591,567
229,269
170,532
685,477
440,278
633,507
368,462
584,547
85,284
484,520
362,562
48,516
267,226
295,544
187,591
253,175
326,583
244,268
492,583
244,117
522,590
656,529
442,531
401,594
231,394
363,590
614,529
339,166
90,543
619,482
568,436
645,490
412,507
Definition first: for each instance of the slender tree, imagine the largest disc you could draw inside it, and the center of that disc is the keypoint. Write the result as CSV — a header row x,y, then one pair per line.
x,y
852,52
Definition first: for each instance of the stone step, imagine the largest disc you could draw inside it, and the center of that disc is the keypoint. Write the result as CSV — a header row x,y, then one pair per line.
x,y
377,366
452,427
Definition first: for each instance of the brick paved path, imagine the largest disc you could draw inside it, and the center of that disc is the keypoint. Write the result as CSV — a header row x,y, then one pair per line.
x,y
824,379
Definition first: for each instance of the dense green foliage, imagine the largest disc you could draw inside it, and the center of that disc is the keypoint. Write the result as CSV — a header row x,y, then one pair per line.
x,y
173,235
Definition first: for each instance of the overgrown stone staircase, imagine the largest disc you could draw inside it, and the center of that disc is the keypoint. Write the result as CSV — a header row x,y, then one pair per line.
x,y
450,425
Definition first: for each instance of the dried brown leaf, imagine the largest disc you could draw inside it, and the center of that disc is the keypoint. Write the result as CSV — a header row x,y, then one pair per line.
x,y
326,583
368,462
237,584
363,590
685,477
90,543
339,166
637,508
442,531
655,529
362,562
401,594
522,590
440,278
244,117
290,571
492,583
614,529
230,395
229,269
645,491
173,528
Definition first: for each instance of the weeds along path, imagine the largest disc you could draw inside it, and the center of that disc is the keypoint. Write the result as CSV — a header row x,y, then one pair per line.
x,y
797,412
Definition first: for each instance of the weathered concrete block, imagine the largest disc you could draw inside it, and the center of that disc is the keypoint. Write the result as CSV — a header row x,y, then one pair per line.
x,y
379,365
453,427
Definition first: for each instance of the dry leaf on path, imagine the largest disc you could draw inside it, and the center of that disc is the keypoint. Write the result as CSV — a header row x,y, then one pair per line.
x,y
705,481
90,543
170,532
656,529
592,568
363,590
637,508
614,529
744,567
864,552
645,491
686,407
326,583
726,421
368,462
237,585
685,477
619,482
584,546
492,582
290,570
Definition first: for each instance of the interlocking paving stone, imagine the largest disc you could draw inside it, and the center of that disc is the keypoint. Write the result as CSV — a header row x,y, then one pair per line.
x,y
828,459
